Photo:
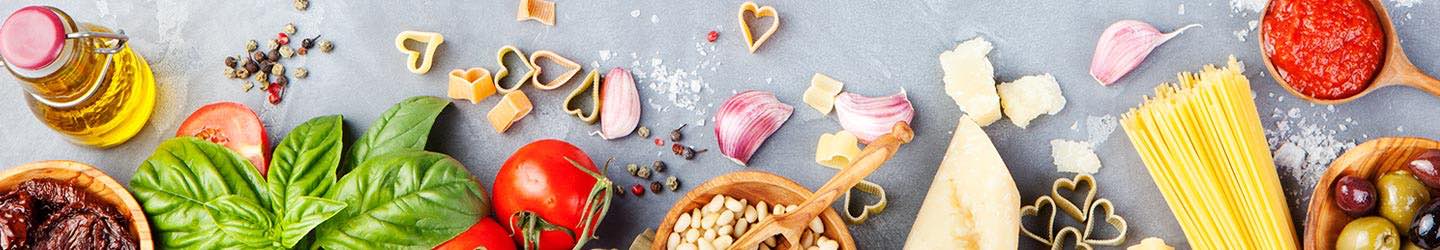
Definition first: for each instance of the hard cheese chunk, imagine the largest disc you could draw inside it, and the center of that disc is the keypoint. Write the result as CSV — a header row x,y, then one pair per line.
x,y
512,107
970,80
822,91
837,150
1074,157
973,202
1029,97
474,84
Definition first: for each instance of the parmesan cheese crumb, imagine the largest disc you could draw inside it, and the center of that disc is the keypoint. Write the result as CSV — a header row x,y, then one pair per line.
x,y
1029,97
1074,157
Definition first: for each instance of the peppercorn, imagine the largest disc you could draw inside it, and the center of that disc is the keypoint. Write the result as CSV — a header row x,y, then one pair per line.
x,y
282,38
644,132
241,73
675,134
247,85
274,92
643,173
301,5
277,69
272,44
250,67
712,36
301,72
672,183
282,80
302,51
619,191
266,67
326,46
262,76
286,51
274,55
655,187
638,190
251,45
230,62
659,166
632,168
229,72
258,56
308,42
289,29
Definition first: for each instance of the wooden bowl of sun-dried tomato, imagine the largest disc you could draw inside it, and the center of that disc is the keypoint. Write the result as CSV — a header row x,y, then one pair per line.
x,y
67,204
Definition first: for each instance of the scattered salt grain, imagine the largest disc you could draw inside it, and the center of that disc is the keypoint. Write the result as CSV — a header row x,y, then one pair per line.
x,y
654,19
635,13
1182,9
1303,145
1099,128
1247,6
1406,3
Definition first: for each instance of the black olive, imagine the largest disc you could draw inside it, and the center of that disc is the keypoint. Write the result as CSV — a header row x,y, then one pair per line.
x,y
1425,229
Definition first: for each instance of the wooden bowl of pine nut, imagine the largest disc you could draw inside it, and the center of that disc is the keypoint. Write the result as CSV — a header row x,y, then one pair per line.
x,y
745,190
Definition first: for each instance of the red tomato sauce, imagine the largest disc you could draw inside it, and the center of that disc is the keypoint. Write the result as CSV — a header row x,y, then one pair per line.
x,y
1326,49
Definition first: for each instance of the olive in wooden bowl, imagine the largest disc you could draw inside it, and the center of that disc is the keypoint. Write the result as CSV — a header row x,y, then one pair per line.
x,y
1369,161
753,186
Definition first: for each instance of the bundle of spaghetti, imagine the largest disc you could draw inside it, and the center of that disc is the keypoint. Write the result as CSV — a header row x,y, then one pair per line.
x,y
1203,144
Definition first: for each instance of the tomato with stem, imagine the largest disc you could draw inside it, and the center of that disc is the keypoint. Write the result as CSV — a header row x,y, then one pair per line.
x,y
551,195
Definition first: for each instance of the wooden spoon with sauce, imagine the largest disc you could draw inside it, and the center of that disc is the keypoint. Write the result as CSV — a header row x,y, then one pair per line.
x,y
1396,70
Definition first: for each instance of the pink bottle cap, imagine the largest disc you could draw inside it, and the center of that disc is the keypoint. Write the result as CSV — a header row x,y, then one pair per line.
x,y
32,37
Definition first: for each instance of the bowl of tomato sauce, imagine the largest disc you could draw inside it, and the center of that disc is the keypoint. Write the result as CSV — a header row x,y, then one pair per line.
x,y
1334,51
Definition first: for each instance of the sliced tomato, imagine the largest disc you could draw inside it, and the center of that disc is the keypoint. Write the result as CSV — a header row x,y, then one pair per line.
x,y
233,125
486,234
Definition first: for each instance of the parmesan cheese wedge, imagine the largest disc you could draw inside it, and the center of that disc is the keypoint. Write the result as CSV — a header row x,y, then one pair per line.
x,y
973,202
512,107
822,92
970,80
1029,97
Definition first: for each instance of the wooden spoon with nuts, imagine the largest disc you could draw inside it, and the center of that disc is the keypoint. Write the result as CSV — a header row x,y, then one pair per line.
x,y
791,225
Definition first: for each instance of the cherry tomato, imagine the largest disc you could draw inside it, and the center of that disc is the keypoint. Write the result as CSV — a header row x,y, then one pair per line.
x,y
551,189
485,234
233,125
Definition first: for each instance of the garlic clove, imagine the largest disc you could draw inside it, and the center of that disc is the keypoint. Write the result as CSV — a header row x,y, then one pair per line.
x,y
1123,46
870,117
619,104
744,121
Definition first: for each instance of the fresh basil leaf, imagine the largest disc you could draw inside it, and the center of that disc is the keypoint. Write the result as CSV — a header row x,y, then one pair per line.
x,y
304,162
304,214
410,199
184,173
242,220
406,126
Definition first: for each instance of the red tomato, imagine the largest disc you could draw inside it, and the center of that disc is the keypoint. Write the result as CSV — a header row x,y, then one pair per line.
x,y
551,195
233,125
486,234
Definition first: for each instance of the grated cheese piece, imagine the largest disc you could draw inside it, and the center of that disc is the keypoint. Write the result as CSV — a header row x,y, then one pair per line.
x,y
1074,157
970,80
1029,97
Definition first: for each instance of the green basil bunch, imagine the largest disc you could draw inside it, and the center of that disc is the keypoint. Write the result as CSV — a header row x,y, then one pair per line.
x,y
201,195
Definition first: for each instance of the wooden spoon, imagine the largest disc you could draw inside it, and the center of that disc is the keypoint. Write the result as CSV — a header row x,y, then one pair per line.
x,y
1396,70
791,225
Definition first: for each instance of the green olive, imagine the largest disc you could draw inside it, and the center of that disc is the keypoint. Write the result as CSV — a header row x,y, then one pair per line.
x,y
1368,233
1401,196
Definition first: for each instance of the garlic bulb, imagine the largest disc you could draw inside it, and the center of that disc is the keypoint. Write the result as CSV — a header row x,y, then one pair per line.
x,y
620,104
1123,46
744,121
870,117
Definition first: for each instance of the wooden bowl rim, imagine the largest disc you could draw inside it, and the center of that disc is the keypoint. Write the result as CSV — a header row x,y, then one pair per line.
x,y
1320,205
138,220
829,217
